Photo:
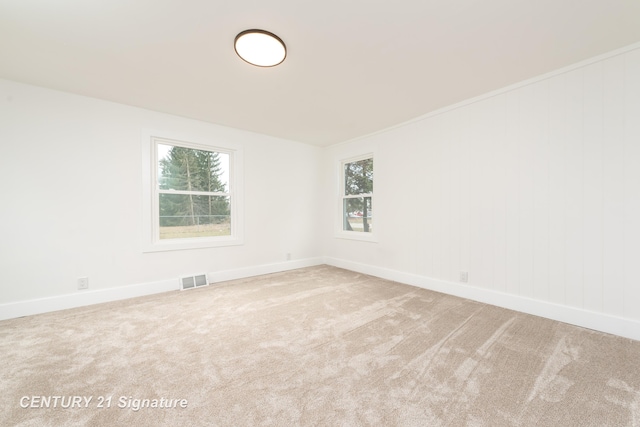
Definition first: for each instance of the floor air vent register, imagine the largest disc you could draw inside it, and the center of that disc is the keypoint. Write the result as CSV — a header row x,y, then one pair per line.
x,y
192,282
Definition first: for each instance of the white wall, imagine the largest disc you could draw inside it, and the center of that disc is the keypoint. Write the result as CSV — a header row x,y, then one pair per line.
x,y
533,190
70,169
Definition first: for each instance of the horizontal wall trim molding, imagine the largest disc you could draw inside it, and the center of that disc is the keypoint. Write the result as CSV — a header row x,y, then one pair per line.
x,y
90,297
587,319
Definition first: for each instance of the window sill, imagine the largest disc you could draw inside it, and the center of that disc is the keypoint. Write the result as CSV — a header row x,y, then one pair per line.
x,y
357,235
185,244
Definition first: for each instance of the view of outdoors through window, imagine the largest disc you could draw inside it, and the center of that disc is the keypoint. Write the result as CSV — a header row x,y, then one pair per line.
x,y
358,195
193,192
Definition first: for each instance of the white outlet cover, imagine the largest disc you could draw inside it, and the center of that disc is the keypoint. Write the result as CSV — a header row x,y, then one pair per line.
x,y
83,283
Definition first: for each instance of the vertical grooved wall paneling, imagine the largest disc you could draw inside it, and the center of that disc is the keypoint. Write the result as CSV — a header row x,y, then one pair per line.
x,y
534,190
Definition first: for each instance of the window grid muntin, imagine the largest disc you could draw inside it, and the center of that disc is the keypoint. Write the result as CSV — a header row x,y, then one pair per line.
x,y
157,191
343,196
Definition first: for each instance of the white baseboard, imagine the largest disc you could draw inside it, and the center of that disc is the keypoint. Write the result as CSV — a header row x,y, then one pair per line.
x,y
89,297
587,319
83,298
241,273
627,328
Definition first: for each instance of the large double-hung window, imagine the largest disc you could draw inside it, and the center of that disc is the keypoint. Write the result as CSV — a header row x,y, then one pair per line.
x,y
192,195
193,192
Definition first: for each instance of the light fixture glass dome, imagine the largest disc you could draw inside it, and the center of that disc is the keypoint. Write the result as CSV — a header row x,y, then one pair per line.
x,y
260,47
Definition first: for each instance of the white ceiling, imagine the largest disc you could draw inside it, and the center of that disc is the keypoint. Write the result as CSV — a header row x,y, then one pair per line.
x,y
353,66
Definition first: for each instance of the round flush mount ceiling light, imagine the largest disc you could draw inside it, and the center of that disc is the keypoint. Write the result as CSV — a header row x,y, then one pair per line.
x,y
260,48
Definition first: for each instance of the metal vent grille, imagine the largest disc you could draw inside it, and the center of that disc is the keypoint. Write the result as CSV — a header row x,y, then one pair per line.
x,y
191,282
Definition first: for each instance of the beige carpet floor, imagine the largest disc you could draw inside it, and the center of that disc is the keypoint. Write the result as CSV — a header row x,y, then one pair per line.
x,y
318,346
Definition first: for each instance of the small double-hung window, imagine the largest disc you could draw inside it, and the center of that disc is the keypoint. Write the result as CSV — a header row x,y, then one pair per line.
x,y
357,196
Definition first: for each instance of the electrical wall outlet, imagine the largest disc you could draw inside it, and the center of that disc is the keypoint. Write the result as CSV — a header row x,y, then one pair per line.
x,y
464,277
288,256
83,283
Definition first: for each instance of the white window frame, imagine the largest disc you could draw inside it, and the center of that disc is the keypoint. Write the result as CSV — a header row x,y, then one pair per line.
x,y
151,241
340,231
